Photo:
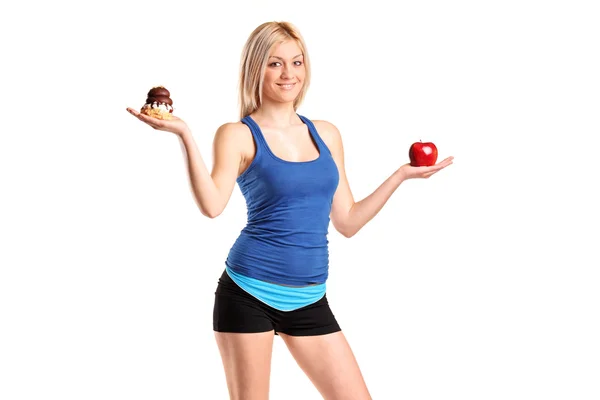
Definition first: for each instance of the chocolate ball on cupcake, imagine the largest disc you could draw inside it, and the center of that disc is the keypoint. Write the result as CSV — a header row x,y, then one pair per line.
x,y
158,103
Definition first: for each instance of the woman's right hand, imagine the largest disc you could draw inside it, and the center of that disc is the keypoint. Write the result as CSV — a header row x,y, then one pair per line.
x,y
175,125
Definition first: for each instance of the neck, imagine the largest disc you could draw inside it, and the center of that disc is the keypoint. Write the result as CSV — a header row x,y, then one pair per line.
x,y
276,114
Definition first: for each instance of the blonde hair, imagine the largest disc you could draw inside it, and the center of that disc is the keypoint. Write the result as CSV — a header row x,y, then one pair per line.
x,y
255,56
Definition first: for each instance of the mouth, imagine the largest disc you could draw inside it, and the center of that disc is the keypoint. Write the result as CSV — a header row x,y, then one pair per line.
x,y
286,86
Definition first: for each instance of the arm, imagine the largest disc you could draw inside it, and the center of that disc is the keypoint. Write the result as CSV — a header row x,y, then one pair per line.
x,y
348,216
213,191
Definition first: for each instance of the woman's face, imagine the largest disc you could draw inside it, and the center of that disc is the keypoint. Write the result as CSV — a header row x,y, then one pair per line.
x,y
284,74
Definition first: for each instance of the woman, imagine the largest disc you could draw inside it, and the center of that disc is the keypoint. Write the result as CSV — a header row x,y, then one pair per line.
x,y
291,172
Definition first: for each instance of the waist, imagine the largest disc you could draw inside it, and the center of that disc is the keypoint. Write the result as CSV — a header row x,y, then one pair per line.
x,y
283,298
294,264
280,233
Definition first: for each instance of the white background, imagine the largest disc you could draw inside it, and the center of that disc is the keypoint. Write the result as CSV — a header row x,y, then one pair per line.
x,y
479,283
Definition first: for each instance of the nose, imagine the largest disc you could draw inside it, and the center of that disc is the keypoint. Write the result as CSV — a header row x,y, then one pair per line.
x,y
287,72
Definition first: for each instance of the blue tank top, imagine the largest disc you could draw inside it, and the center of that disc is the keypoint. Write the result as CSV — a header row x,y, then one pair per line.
x,y
289,203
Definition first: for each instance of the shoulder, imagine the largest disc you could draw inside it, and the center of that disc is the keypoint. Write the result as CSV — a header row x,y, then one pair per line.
x,y
233,136
232,129
232,132
236,139
330,134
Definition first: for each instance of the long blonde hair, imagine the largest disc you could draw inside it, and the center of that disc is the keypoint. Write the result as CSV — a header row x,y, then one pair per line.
x,y
255,56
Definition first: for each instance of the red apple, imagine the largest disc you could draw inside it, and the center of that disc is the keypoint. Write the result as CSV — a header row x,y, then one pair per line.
x,y
422,154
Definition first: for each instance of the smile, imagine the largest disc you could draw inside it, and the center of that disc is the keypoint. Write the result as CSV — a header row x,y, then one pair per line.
x,y
288,86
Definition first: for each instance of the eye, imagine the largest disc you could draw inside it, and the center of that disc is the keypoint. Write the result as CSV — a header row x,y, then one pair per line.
x,y
273,64
298,63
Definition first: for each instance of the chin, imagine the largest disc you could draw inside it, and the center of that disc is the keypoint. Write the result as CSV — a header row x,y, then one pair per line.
x,y
283,97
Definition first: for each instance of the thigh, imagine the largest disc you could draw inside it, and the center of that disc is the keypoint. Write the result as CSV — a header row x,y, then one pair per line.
x,y
314,319
236,311
244,335
329,363
247,362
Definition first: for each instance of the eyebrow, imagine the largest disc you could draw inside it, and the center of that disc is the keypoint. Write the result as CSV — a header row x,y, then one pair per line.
x,y
282,58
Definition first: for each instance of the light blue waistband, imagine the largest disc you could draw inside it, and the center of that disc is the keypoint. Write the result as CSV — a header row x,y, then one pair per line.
x,y
283,298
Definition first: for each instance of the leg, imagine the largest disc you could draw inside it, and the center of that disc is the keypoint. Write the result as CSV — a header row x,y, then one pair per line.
x,y
244,333
330,364
247,362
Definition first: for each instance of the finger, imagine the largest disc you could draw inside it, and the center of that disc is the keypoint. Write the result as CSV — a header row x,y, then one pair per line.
x,y
142,117
437,168
432,169
133,111
150,120
147,120
151,123
441,165
446,161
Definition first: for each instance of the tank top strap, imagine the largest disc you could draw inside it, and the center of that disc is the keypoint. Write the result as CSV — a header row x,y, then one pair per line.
x,y
315,134
261,142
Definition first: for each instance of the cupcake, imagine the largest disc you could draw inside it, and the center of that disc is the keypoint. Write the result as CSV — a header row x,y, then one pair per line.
x,y
158,103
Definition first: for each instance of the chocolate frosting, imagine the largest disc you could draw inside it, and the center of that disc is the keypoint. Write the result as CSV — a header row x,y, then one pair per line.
x,y
160,95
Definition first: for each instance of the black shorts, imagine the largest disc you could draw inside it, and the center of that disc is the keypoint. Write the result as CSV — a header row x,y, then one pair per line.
x,y
235,310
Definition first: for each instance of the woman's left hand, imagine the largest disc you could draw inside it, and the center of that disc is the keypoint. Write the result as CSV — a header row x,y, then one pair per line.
x,y
410,172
